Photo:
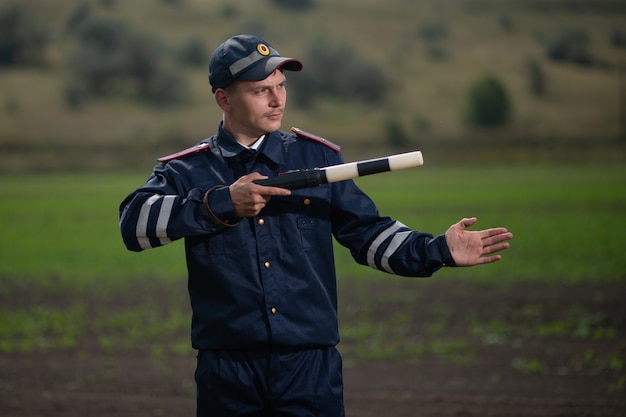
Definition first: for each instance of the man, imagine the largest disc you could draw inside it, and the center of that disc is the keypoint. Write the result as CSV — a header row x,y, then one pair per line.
x,y
260,259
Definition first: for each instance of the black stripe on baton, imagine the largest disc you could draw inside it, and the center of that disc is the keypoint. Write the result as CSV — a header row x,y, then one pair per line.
x,y
373,167
296,179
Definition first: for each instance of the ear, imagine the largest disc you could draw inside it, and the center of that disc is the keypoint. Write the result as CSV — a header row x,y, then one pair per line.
x,y
222,98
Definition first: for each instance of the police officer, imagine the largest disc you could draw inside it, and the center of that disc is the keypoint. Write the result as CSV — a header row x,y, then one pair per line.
x,y
261,271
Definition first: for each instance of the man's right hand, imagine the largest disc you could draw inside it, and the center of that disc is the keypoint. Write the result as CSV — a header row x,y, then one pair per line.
x,y
250,198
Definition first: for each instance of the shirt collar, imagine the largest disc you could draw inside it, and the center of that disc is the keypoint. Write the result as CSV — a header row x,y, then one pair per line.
x,y
257,143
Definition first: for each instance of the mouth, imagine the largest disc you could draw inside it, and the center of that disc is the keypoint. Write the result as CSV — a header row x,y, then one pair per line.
x,y
275,116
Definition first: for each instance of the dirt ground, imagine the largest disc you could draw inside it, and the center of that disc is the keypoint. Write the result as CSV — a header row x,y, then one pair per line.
x,y
532,350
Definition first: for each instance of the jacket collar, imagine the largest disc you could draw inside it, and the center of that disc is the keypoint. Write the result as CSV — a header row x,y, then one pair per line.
x,y
270,148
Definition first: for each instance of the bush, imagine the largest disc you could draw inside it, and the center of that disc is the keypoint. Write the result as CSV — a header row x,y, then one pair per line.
x,y
432,31
617,37
487,103
302,91
229,11
421,125
506,23
536,77
108,3
570,45
22,39
396,134
361,80
112,59
173,3
335,70
435,52
194,53
77,17
294,4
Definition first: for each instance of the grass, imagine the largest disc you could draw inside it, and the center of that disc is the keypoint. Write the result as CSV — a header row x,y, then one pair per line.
x,y
61,230
44,328
565,218
65,275
40,328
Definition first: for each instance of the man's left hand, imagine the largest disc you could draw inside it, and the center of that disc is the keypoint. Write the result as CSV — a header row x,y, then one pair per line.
x,y
469,248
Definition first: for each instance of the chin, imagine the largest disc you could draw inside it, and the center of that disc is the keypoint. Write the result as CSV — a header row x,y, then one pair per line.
x,y
270,127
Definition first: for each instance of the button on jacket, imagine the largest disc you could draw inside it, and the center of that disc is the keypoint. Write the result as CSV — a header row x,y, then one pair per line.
x,y
268,280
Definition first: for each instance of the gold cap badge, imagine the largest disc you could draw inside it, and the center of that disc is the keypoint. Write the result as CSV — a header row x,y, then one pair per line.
x,y
263,49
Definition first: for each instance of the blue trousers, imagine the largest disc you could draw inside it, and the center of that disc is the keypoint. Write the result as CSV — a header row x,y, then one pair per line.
x,y
277,383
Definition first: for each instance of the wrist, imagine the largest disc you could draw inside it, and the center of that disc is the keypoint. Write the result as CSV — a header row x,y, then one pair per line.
x,y
219,211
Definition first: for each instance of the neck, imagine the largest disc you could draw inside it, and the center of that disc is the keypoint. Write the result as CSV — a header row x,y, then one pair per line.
x,y
241,136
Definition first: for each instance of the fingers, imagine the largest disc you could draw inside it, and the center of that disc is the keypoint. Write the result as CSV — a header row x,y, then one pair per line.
x,y
272,191
468,222
250,198
496,231
488,259
493,236
495,248
260,189
476,247
493,243
495,239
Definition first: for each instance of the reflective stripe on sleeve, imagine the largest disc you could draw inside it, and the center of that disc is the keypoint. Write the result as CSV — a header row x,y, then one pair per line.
x,y
397,240
371,251
142,223
164,219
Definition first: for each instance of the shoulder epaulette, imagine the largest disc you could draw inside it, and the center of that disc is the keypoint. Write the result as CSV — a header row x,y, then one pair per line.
x,y
197,148
316,138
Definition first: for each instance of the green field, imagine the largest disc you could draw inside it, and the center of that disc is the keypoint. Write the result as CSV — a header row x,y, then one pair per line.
x,y
60,231
65,273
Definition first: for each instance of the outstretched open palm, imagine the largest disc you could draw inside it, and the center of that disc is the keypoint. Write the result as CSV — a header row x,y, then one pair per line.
x,y
470,248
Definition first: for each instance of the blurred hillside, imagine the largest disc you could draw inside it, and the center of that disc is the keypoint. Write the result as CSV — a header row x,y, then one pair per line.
x,y
418,60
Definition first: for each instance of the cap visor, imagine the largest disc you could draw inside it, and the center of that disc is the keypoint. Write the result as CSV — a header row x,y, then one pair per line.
x,y
265,68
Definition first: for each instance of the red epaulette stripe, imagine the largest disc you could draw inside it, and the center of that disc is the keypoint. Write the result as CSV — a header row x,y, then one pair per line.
x,y
316,138
188,151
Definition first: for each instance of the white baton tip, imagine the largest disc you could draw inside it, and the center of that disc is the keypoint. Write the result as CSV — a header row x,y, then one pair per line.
x,y
406,160
342,172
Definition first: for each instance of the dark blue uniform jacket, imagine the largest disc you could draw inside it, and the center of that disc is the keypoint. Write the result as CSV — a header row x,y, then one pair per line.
x,y
268,280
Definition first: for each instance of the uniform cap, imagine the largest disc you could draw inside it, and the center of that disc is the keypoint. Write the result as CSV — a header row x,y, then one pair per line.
x,y
248,58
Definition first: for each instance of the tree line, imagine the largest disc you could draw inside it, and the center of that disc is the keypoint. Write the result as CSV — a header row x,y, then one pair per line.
x,y
108,57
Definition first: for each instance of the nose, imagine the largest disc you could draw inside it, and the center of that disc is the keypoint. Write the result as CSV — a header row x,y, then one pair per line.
x,y
277,97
